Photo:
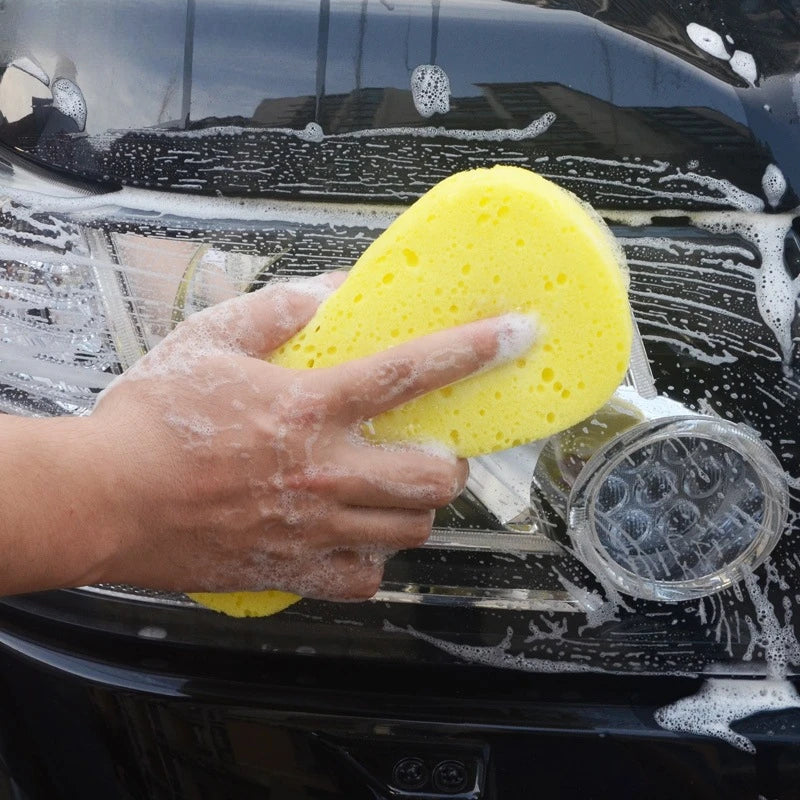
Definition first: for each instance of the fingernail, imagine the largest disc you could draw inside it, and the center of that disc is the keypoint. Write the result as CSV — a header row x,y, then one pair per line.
x,y
516,334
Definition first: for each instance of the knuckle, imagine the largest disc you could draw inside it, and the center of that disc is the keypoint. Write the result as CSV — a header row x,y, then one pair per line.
x,y
394,373
418,529
295,306
443,487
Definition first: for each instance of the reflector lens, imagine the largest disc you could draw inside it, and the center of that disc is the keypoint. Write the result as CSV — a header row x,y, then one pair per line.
x,y
676,508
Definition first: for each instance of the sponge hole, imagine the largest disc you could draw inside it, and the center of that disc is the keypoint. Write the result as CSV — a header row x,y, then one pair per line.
x,y
388,278
551,417
412,259
548,374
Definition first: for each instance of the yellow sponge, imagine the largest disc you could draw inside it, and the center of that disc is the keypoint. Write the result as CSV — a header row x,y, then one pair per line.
x,y
246,604
480,244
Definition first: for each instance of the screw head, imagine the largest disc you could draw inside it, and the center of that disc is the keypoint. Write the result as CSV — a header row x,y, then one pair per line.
x,y
410,773
450,777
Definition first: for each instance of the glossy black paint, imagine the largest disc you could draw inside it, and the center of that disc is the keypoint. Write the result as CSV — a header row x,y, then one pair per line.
x,y
96,716
622,79
90,709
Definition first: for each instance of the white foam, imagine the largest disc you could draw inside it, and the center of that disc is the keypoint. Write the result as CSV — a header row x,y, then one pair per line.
x,y
744,64
492,655
598,610
430,90
707,40
720,702
311,133
314,133
688,185
777,640
776,292
516,335
774,185
68,99
131,200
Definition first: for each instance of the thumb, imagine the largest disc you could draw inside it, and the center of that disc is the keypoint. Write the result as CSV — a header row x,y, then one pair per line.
x,y
258,322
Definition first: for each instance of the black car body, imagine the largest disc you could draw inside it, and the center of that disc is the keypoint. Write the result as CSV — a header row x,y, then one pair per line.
x,y
150,148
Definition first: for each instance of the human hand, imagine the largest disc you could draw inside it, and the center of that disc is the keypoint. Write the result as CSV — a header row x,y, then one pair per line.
x,y
228,473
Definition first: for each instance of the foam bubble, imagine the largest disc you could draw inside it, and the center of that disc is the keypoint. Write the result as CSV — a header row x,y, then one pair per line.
x,y
744,64
707,40
311,133
516,335
430,90
774,185
720,702
68,99
491,655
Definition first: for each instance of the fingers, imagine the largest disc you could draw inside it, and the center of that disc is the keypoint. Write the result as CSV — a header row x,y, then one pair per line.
x,y
386,529
371,476
356,575
258,322
377,383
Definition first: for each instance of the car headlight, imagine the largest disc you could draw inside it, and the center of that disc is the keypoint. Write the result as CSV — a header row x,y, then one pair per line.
x,y
90,283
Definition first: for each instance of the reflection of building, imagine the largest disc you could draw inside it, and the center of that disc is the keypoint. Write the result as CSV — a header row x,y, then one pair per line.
x,y
268,159
584,124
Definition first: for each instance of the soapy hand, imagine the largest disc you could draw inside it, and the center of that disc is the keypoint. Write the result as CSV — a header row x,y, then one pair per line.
x,y
230,473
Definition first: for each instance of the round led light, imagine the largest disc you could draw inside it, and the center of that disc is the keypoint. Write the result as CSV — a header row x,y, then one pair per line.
x,y
676,508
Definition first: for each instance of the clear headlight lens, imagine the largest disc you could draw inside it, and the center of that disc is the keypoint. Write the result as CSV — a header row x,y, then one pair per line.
x,y
678,508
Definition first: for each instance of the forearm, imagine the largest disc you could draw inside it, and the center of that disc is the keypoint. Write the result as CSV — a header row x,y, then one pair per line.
x,y
56,529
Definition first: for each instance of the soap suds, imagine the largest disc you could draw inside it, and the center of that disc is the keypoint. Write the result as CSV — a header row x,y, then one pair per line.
x,y
430,90
517,334
492,655
744,65
774,185
68,99
721,702
707,40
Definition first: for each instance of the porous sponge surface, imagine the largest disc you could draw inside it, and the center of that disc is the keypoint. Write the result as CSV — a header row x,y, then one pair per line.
x,y
479,244
246,604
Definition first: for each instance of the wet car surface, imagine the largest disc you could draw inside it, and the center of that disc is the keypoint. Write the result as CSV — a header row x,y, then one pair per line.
x,y
146,176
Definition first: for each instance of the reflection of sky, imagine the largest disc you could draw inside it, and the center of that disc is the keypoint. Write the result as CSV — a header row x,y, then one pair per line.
x,y
128,56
